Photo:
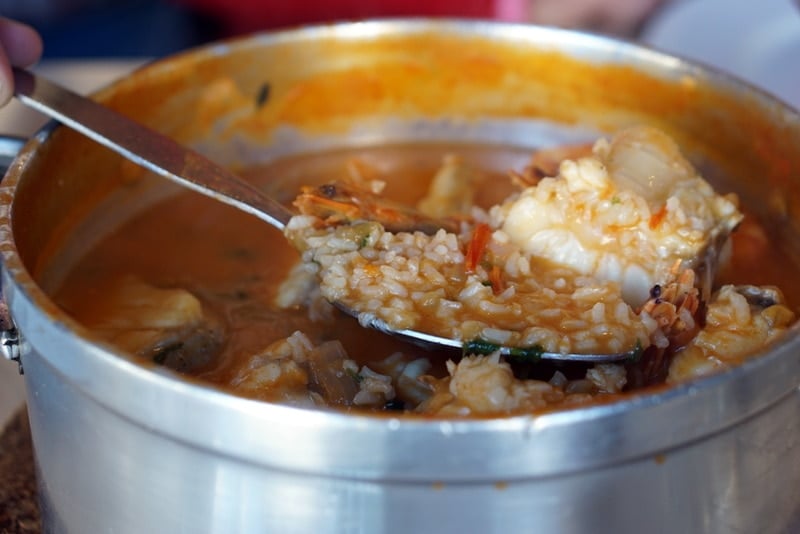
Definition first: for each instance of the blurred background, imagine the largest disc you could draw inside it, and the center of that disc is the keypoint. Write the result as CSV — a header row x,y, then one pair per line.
x,y
150,28
112,28
756,39
90,42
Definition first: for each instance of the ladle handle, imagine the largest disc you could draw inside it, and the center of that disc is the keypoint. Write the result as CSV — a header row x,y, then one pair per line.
x,y
145,147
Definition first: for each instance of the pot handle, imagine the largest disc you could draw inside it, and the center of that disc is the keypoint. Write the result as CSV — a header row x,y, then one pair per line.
x,y
9,336
9,148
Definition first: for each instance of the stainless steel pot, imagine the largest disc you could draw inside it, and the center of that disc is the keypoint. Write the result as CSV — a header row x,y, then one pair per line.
x,y
125,448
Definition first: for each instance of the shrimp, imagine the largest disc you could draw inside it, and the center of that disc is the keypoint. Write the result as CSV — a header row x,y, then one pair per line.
x,y
677,310
340,203
674,307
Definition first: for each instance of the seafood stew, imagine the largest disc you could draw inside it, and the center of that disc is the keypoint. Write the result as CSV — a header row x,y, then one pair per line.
x,y
215,294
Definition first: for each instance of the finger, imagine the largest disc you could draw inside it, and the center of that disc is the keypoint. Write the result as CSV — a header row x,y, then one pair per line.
x,y
22,44
6,79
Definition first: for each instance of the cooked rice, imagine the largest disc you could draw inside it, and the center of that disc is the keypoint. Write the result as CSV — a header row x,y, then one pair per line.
x,y
567,263
412,280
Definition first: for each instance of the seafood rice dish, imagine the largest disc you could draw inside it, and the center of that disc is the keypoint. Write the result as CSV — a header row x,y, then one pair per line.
x,y
610,248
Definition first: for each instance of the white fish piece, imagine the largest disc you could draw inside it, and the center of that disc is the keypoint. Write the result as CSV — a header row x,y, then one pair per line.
x,y
167,325
629,213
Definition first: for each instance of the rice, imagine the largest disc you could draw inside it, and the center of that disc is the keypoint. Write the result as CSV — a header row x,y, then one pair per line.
x,y
567,262
418,282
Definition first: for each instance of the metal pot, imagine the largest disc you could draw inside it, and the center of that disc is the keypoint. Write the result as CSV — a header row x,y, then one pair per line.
x,y
126,448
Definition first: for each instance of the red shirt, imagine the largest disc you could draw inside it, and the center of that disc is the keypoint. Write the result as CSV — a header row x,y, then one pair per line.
x,y
245,16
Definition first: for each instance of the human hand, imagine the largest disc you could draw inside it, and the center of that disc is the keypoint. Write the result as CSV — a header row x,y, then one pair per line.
x,y
20,46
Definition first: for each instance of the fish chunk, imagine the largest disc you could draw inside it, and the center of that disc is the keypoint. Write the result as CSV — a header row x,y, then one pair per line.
x,y
168,326
629,213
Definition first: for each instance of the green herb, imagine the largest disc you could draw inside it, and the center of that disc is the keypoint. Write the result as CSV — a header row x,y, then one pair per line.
x,y
354,375
530,354
362,234
479,346
636,354
615,200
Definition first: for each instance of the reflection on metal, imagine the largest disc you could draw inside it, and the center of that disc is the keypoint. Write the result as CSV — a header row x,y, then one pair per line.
x,y
9,346
9,147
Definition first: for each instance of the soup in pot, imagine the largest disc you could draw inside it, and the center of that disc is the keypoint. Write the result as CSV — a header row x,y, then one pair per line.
x,y
616,247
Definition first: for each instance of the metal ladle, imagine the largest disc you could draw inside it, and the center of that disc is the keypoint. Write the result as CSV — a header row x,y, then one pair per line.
x,y
171,160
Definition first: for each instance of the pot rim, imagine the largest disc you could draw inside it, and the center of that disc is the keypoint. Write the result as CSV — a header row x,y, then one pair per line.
x,y
459,451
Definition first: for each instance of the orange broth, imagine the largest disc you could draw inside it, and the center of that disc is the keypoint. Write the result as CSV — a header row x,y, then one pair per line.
x,y
234,262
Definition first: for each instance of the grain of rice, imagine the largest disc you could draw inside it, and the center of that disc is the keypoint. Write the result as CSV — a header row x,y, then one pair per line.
x,y
574,325
601,329
548,293
739,307
498,308
429,272
511,266
450,305
686,316
549,313
615,345
474,288
598,313
622,313
494,335
659,339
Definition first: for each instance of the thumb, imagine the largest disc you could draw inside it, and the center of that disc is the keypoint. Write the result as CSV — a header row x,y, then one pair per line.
x,y
20,46
6,79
